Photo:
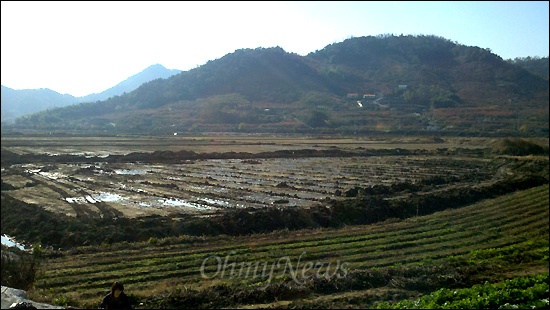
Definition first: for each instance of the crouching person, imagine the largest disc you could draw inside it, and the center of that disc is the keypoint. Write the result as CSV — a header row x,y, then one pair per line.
x,y
116,299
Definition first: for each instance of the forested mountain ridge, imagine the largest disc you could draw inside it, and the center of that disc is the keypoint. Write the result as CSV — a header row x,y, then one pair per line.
x,y
427,60
365,84
536,65
263,74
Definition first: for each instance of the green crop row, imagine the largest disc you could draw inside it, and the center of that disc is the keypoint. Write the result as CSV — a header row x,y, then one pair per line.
x,y
477,232
337,244
529,292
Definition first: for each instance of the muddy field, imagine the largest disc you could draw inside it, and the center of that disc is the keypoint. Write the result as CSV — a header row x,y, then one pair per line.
x,y
104,146
206,186
83,188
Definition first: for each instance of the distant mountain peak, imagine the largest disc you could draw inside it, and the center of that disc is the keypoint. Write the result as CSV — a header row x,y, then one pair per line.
x,y
16,103
153,72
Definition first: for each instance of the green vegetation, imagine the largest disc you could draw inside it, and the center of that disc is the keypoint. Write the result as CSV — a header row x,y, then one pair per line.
x,y
457,89
453,249
518,293
520,147
431,96
19,268
536,65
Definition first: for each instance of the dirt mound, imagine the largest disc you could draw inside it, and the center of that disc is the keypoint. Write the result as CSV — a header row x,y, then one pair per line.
x,y
519,147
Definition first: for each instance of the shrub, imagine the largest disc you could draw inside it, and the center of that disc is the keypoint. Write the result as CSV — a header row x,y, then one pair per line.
x,y
20,268
519,147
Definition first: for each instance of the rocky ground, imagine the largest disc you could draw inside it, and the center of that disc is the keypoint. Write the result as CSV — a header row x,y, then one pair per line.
x,y
12,295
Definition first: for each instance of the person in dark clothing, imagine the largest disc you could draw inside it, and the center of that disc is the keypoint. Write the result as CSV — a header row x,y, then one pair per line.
x,y
23,305
116,299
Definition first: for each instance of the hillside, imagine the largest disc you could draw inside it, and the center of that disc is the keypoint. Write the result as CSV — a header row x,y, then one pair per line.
x,y
415,84
474,75
16,103
486,242
536,65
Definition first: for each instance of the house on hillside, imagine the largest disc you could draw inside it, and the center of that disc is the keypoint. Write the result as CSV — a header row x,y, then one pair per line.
x,y
402,87
353,95
369,96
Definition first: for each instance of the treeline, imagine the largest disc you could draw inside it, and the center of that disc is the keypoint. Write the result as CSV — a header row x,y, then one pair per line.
x,y
536,65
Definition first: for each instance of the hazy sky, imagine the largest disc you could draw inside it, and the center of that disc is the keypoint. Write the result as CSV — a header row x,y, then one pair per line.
x,y
81,48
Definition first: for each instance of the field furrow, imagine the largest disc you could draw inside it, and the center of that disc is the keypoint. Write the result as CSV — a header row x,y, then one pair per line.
x,y
490,223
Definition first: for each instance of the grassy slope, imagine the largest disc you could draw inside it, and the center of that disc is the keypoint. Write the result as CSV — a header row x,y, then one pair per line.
x,y
400,255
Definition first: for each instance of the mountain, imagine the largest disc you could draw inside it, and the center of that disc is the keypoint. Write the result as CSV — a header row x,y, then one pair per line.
x,y
16,103
471,73
536,65
20,102
150,73
401,84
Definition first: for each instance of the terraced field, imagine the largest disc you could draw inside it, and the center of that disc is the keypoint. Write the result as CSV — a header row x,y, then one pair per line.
x,y
180,266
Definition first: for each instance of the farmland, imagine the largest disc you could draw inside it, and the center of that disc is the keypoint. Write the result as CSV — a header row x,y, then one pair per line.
x,y
374,219
410,249
208,185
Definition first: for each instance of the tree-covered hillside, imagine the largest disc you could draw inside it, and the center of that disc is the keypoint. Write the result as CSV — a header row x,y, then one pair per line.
x,y
414,83
472,73
536,65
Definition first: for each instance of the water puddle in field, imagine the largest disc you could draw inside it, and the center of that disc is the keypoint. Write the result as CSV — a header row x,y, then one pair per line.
x,y
215,202
32,168
75,200
175,202
102,196
130,171
108,197
52,175
152,202
203,189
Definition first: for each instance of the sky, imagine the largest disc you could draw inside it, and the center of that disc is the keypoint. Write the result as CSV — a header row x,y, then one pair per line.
x,y
81,47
